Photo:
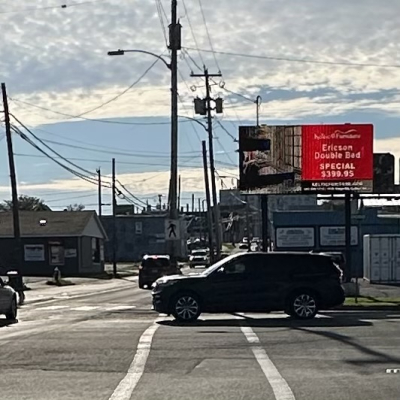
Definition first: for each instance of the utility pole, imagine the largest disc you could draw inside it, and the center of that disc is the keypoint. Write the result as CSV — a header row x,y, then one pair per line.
x,y
179,193
114,213
258,103
99,190
200,218
14,192
347,212
174,46
208,200
248,224
203,107
192,202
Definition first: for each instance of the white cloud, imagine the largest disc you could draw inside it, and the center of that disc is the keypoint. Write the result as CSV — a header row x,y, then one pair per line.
x,y
57,58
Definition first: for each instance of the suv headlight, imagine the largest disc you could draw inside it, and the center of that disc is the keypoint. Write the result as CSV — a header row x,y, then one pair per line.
x,y
163,283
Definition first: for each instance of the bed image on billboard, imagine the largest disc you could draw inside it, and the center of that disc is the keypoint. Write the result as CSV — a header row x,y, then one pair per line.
x,y
306,158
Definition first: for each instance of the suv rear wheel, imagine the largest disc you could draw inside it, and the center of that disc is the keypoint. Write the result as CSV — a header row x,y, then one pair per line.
x,y
303,305
186,307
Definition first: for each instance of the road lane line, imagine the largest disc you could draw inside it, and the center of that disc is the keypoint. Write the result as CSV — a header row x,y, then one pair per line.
x,y
126,387
279,385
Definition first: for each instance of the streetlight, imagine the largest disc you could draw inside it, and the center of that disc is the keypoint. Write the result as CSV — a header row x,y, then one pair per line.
x,y
120,52
172,66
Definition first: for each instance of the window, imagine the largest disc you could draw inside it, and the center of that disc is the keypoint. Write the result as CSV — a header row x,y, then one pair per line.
x,y
237,267
56,254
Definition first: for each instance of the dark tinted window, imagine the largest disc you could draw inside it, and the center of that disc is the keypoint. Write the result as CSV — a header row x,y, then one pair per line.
x,y
155,263
313,265
272,266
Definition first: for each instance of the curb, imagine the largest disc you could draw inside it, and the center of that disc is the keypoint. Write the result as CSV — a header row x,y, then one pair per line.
x,y
369,308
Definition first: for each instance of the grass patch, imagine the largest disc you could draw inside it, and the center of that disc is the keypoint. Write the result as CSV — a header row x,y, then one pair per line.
x,y
61,282
366,301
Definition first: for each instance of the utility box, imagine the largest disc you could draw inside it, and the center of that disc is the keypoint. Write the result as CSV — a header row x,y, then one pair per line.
x,y
382,258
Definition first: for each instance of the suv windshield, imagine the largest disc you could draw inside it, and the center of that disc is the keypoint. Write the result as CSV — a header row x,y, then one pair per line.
x,y
155,263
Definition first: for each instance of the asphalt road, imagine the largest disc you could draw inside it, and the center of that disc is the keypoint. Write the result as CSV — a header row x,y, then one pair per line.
x,y
102,341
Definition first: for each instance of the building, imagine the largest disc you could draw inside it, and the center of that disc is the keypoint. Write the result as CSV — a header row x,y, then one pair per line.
x,y
140,234
71,241
324,231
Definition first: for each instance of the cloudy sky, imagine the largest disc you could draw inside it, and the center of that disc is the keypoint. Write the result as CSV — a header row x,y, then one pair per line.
x,y
311,61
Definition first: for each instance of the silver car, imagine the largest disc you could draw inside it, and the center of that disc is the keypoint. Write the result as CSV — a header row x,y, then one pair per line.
x,y
8,301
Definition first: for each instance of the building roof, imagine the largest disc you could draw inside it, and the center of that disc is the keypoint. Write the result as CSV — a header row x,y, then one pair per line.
x,y
50,223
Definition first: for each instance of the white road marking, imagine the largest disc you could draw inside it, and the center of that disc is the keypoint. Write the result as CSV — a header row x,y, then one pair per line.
x,y
120,308
84,308
279,385
126,387
51,308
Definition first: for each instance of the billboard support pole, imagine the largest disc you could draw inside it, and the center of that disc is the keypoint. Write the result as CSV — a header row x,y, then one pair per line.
x,y
347,208
265,222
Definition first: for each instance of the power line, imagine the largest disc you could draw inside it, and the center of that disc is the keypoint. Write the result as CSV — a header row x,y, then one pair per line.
x,y
225,130
208,35
105,147
62,6
192,31
108,161
48,147
160,16
299,60
105,121
141,155
121,93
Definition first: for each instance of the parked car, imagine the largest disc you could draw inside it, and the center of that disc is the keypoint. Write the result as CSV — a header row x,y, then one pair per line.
x,y
299,284
8,301
244,245
153,267
199,258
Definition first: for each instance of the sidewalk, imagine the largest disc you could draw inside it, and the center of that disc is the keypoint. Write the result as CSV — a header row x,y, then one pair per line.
x,y
372,296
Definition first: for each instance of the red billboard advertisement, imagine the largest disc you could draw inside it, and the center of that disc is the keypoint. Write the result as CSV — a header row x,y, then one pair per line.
x,y
337,158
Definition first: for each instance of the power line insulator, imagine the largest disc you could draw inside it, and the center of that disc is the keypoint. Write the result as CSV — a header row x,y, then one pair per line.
x,y
219,108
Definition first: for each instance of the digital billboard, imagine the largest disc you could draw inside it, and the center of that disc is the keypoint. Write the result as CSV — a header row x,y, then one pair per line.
x,y
306,158
337,158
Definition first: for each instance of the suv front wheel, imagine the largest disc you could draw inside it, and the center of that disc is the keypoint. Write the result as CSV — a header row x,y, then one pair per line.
x,y
303,305
186,307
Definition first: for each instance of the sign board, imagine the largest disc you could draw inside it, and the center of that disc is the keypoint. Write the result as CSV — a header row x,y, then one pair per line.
x,y
281,202
172,229
295,237
34,252
383,173
337,158
335,236
70,253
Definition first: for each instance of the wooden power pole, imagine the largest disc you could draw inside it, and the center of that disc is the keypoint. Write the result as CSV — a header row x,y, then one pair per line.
x,y
14,192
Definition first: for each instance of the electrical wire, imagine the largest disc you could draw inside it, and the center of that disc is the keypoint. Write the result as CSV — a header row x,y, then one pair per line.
x,y
30,9
160,16
192,31
299,60
77,174
107,147
140,155
105,121
208,35
49,148
121,93
225,130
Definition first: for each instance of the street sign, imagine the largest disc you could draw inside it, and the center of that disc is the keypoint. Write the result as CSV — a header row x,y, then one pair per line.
x,y
172,229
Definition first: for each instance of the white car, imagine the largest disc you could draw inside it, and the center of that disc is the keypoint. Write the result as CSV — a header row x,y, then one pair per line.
x,y
8,301
199,258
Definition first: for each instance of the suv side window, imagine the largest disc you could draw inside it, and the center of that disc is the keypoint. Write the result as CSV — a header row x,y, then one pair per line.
x,y
235,267
312,266
269,266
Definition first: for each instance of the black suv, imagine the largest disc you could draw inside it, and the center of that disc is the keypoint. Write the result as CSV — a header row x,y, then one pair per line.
x,y
300,284
154,267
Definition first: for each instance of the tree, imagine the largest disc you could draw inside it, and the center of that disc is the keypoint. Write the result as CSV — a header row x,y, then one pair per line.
x,y
75,207
26,203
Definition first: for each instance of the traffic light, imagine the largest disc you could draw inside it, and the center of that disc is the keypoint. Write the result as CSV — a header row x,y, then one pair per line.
x,y
219,105
200,106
